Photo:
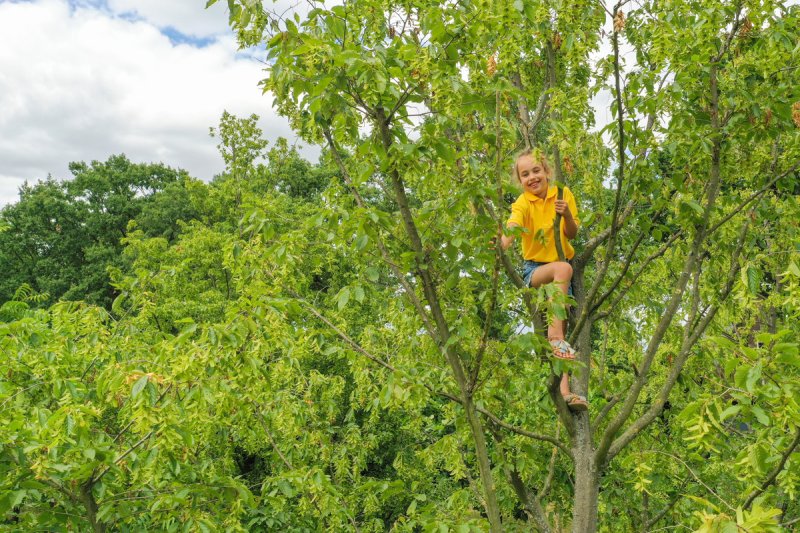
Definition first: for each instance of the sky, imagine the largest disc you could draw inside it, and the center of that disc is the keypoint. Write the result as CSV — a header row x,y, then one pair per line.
x,y
81,80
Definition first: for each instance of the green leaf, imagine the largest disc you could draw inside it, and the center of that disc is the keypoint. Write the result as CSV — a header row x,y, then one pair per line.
x,y
753,280
753,375
286,488
11,500
359,293
740,377
139,385
361,241
343,298
694,205
760,415
372,274
729,412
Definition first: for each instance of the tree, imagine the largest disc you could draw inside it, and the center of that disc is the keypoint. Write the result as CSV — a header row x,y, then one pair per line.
x,y
62,236
241,145
656,268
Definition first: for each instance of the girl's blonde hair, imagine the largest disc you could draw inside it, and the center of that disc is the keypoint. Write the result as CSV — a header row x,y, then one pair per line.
x,y
537,155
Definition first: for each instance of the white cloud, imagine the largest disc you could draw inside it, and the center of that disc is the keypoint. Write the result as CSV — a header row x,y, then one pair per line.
x,y
187,16
82,83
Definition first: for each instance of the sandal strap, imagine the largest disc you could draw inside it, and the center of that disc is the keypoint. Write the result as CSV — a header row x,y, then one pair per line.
x,y
561,346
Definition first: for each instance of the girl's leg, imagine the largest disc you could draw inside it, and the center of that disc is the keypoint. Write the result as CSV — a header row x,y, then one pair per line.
x,y
559,272
565,384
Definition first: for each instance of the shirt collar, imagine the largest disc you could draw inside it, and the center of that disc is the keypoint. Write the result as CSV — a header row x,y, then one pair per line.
x,y
551,191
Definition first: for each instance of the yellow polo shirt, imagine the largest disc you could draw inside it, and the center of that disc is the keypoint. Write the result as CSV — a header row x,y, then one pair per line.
x,y
537,216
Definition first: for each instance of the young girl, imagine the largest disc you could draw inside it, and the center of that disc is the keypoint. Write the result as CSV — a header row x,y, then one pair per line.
x,y
535,210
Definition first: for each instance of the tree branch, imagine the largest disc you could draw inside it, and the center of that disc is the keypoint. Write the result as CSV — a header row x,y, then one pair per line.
x,y
774,474
551,469
523,432
409,291
530,503
357,347
661,514
677,294
688,343
119,459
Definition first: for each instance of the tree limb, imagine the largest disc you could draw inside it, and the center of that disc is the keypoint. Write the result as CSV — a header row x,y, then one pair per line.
x,y
690,264
409,291
774,474
531,503
688,343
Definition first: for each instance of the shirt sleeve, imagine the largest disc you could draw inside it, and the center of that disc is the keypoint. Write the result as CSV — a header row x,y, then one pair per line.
x,y
573,207
517,213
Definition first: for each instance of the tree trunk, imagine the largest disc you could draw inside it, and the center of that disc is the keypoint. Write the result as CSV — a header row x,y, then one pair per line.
x,y
584,511
87,498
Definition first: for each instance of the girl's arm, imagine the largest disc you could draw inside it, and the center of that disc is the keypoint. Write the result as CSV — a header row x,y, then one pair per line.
x,y
570,225
506,240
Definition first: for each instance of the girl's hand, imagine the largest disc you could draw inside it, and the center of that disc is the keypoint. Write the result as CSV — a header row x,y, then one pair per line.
x,y
563,209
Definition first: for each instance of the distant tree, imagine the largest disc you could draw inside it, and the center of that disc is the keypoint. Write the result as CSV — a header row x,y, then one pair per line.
x,y
63,235
241,146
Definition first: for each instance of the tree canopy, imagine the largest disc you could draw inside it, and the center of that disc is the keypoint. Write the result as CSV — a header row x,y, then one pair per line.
x,y
337,346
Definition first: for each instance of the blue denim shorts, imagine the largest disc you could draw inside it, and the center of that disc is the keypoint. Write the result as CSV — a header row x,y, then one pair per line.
x,y
527,271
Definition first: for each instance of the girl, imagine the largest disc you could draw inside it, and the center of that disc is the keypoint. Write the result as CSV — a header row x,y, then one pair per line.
x,y
535,211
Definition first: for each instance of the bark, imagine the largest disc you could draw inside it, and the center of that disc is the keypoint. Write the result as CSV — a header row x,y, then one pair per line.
x,y
87,499
584,510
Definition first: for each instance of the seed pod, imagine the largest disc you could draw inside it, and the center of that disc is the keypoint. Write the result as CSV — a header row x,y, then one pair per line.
x,y
392,32
796,114
746,29
556,40
491,65
567,164
619,21
767,117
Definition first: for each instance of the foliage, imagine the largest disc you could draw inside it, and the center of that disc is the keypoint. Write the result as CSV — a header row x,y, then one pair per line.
x,y
62,236
335,347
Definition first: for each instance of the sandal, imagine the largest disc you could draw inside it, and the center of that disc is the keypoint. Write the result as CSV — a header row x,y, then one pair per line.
x,y
562,350
576,403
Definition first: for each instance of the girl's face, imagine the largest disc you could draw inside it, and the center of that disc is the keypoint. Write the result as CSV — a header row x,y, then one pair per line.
x,y
532,176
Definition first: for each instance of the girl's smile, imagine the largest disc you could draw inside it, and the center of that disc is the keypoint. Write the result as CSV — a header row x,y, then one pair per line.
x,y
533,176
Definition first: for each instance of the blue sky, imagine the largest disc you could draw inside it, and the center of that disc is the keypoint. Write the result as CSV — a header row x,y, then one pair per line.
x,y
81,80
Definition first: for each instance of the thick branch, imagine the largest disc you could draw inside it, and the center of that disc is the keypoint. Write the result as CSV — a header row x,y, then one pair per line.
x,y
423,267
409,290
677,293
498,249
531,503
620,174
688,343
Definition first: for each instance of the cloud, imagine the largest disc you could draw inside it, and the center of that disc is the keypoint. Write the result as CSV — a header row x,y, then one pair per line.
x,y
80,81
187,17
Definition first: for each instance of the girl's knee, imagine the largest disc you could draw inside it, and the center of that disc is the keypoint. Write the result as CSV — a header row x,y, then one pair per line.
x,y
563,271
